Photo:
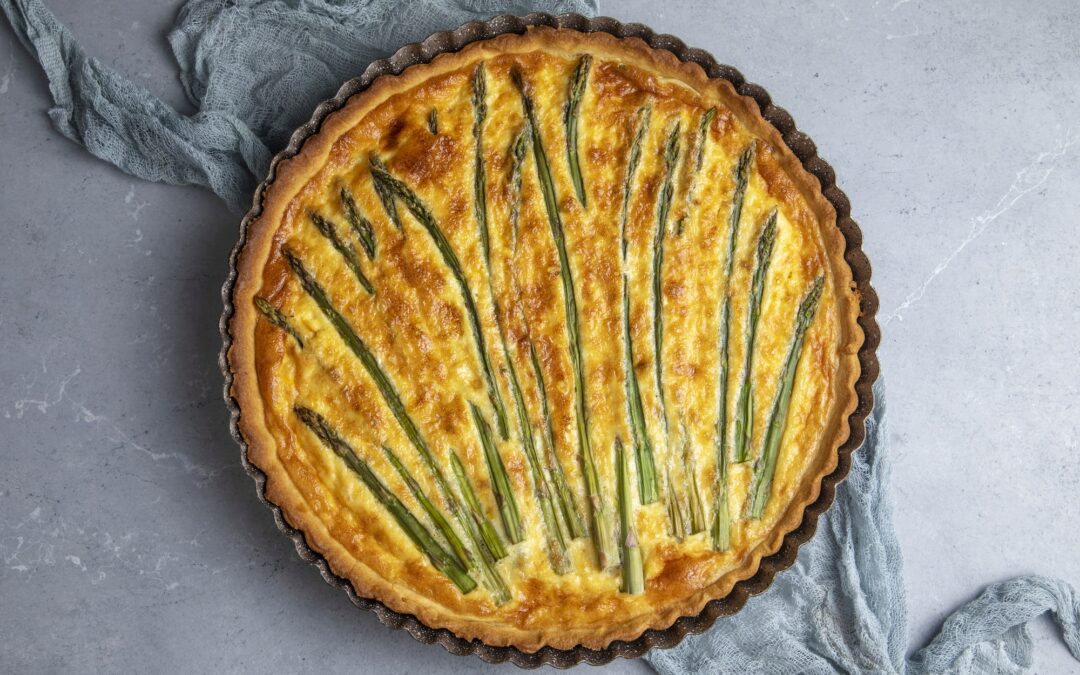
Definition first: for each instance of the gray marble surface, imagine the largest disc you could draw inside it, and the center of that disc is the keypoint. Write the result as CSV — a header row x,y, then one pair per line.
x,y
131,540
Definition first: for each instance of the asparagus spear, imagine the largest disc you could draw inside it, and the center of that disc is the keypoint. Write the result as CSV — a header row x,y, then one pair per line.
x,y
443,560
606,553
695,159
698,159
703,135
548,475
643,449
479,102
386,388
556,543
275,317
360,225
744,404
633,570
567,506
663,207
643,115
742,178
482,526
500,481
433,122
390,397
765,467
578,83
399,190
542,484
425,502
389,203
329,230
517,161
696,508
480,529
570,527
721,526
676,519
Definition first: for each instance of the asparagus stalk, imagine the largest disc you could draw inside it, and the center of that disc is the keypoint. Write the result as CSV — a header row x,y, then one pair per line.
x,y
399,190
606,552
643,449
572,117
386,198
742,179
360,225
721,526
425,502
556,542
567,505
765,467
276,318
571,526
744,404
663,207
386,388
504,494
548,475
500,481
481,525
433,121
698,158
633,569
440,558
389,394
517,162
703,135
479,102
696,507
480,529
676,519
643,115
329,230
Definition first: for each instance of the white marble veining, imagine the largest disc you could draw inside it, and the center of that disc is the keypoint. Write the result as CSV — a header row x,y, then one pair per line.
x,y
131,540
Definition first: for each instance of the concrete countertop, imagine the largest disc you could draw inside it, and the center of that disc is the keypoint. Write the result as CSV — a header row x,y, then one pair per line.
x,y
131,540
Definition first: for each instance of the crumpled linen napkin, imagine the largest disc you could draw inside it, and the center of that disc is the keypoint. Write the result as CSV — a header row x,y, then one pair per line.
x,y
255,69
841,607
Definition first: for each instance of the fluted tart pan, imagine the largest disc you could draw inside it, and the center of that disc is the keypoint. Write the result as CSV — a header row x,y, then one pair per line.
x,y
785,157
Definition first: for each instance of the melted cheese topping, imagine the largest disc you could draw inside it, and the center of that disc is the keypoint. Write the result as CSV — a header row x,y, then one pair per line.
x,y
417,327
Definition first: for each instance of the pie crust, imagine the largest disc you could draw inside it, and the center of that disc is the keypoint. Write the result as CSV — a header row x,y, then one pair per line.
x,y
342,522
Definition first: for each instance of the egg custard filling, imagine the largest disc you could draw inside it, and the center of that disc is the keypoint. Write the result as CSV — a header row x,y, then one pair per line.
x,y
546,342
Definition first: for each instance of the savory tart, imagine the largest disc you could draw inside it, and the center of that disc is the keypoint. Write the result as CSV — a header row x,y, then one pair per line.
x,y
548,341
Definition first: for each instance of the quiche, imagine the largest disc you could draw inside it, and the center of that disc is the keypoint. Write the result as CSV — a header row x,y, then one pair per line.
x,y
547,342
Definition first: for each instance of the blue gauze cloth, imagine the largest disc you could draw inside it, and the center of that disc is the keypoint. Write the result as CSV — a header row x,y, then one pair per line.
x,y
841,607
255,69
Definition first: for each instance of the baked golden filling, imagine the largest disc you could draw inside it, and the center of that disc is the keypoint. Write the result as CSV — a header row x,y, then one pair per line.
x,y
546,342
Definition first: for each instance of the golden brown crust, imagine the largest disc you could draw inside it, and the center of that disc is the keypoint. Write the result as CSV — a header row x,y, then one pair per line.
x,y
244,359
